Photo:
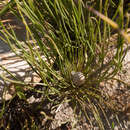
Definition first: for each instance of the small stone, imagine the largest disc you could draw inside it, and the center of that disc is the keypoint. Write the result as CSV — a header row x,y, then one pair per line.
x,y
7,96
115,128
78,78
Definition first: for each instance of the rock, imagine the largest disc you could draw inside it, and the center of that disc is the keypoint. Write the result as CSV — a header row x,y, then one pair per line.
x,y
78,78
18,68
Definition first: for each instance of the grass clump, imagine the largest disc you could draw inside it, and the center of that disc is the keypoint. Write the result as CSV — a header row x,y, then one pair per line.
x,y
69,50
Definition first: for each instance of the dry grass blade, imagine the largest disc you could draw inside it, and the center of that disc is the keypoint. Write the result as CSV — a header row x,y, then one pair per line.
x,y
109,21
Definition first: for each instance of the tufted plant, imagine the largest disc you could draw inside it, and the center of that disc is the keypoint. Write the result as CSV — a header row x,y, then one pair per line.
x,y
72,36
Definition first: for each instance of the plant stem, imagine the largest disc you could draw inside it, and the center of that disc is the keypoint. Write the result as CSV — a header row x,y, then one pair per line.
x,y
5,9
